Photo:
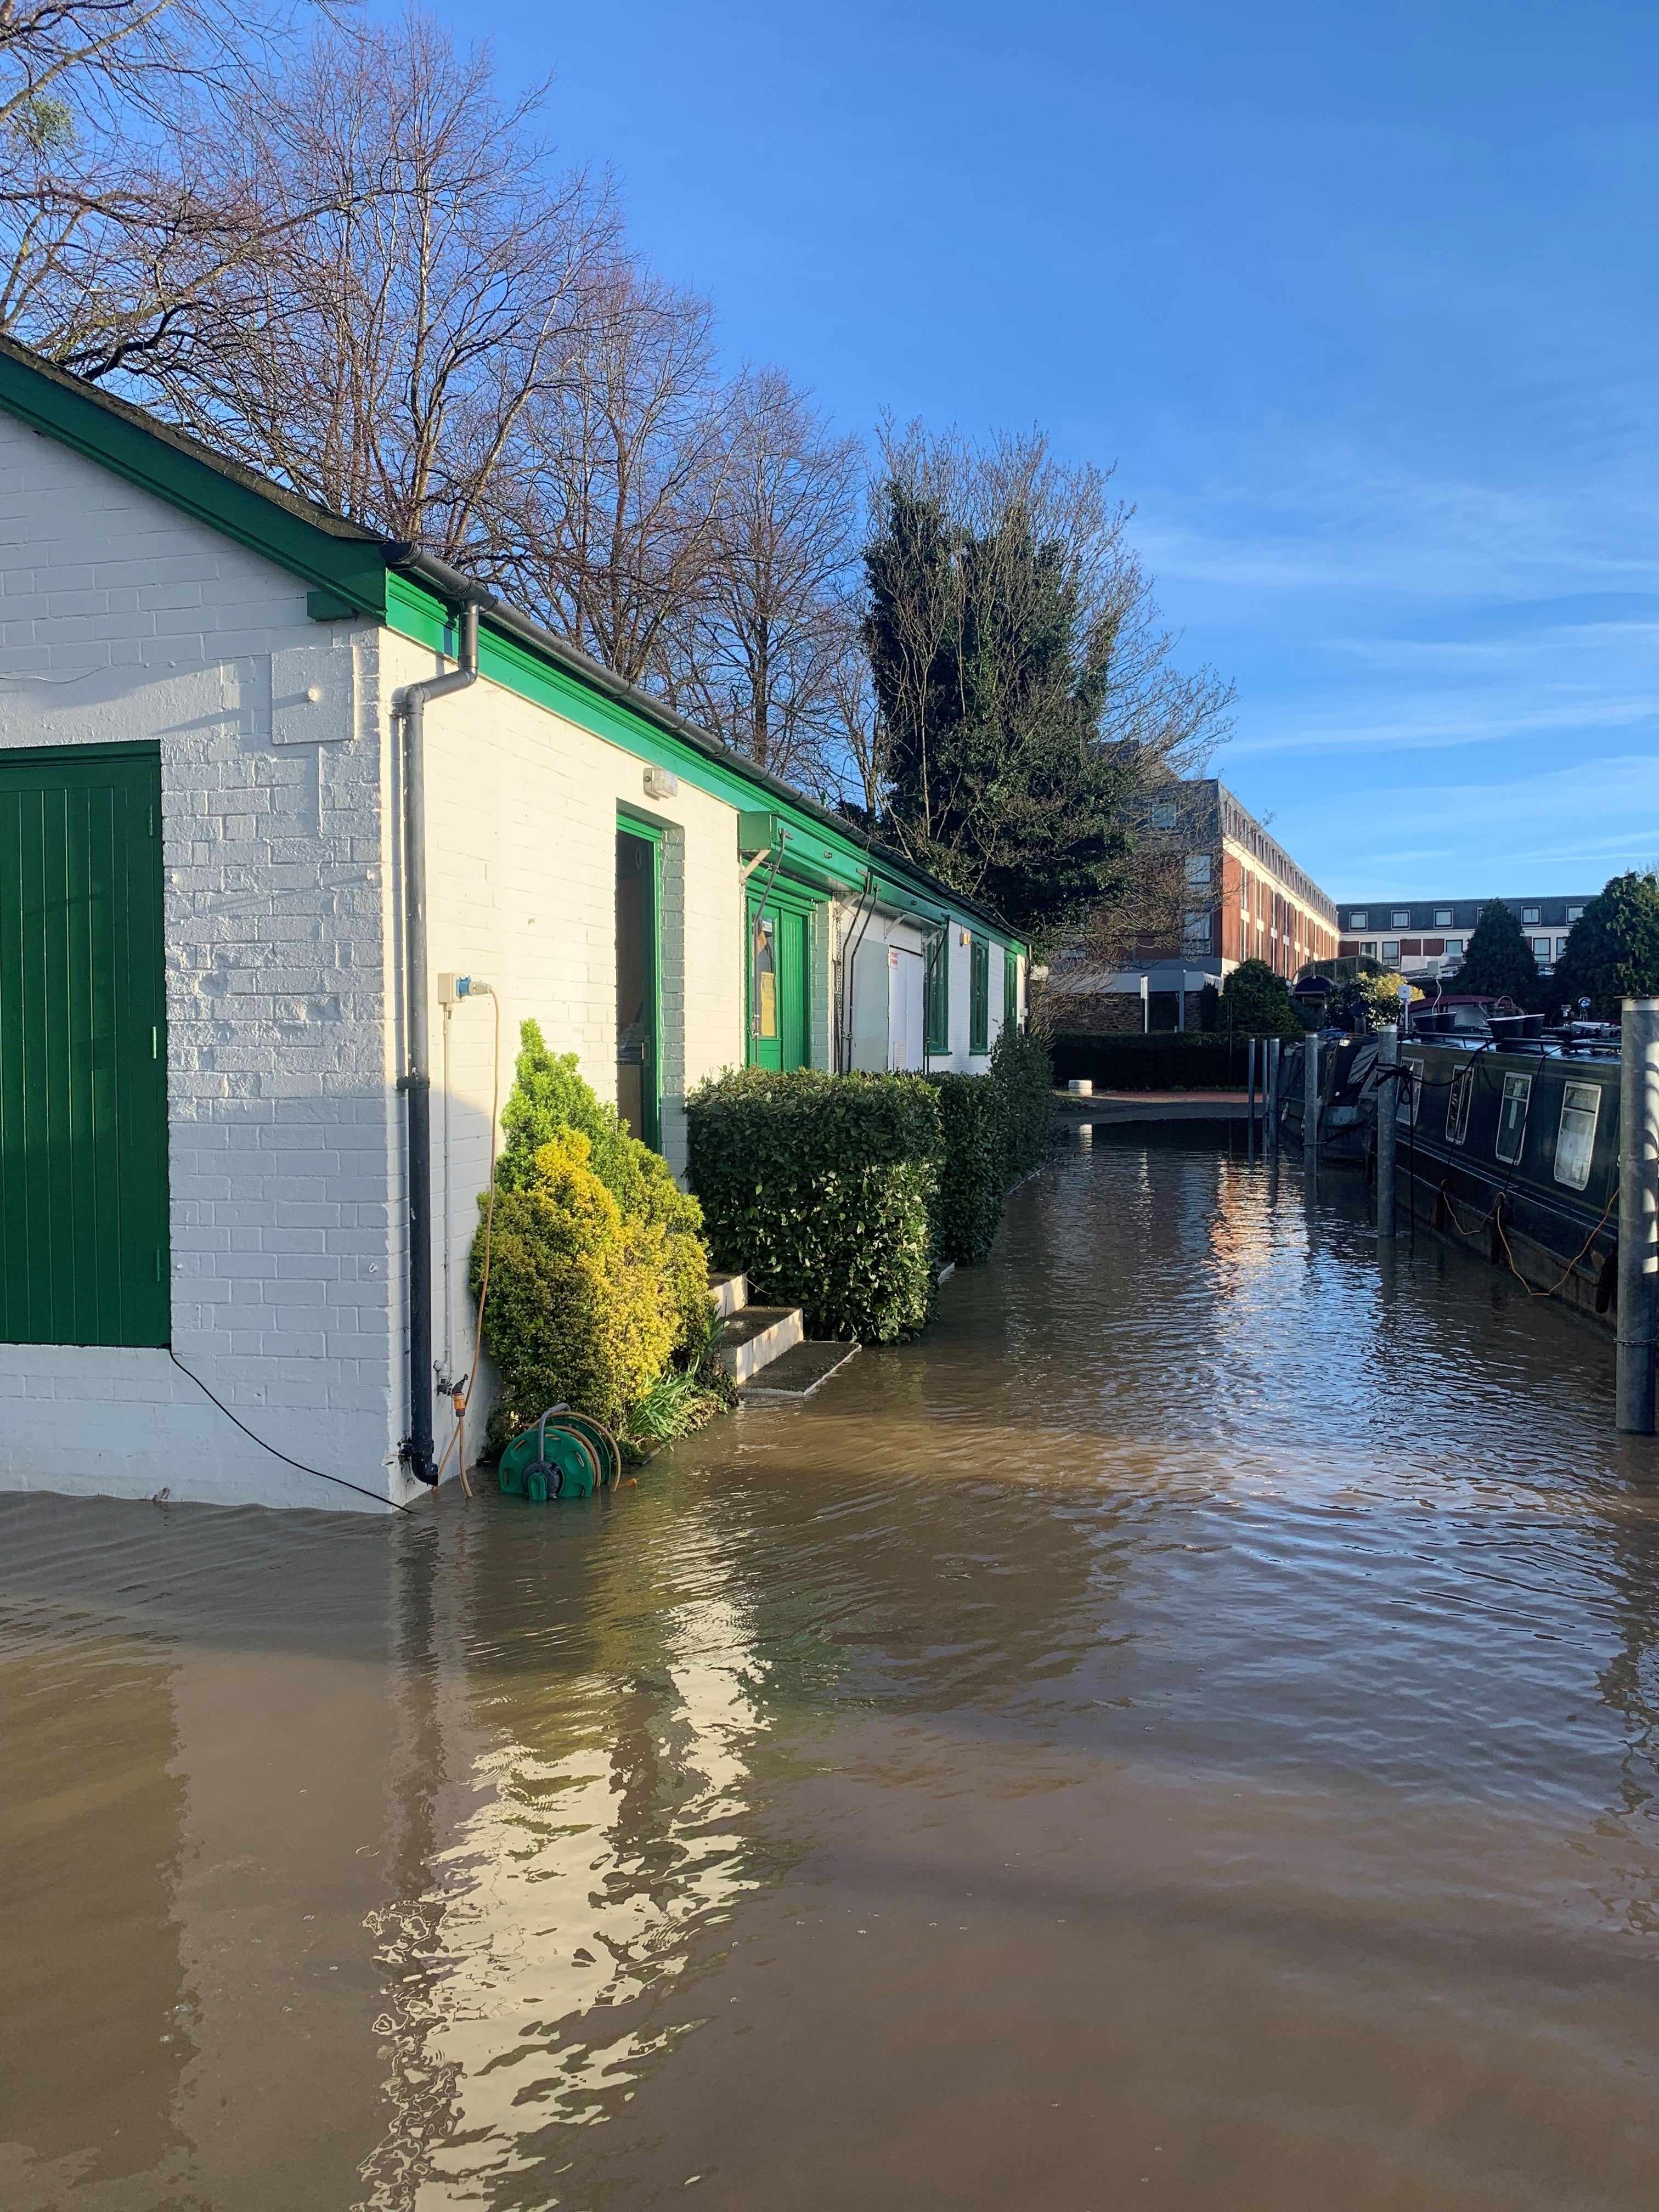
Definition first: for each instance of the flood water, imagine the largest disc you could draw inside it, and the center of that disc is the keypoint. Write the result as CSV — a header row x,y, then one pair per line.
x,y
1183,1735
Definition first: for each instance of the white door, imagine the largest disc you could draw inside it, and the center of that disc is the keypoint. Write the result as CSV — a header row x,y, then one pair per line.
x,y
904,1008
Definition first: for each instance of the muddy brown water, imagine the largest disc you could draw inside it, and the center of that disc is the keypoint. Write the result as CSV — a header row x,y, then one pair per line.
x,y
1182,1736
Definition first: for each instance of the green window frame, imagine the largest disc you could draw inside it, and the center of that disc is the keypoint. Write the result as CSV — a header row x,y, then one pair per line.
x,y
84,1248
937,1031
1010,987
979,1003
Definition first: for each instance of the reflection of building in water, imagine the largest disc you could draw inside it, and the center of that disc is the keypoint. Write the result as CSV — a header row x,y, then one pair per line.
x,y
570,1811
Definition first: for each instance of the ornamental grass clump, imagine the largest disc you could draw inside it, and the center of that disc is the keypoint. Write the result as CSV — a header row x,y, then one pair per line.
x,y
599,1276
820,1188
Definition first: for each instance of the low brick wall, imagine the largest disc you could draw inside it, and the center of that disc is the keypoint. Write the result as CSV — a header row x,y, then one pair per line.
x,y
1170,1062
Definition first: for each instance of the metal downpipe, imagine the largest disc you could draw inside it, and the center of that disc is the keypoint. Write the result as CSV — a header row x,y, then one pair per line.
x,y
416,1082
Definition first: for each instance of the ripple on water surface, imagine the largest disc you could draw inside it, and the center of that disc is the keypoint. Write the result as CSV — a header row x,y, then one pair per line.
x,y
1182,1733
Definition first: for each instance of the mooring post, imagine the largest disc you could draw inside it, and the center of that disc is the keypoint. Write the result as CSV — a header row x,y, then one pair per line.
x,y
1388,1128
1250,1065
1270,1049
1639,1214
1310,1100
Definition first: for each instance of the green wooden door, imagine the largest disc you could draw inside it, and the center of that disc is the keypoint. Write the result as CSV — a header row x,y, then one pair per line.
x,y
780,1033
84,1128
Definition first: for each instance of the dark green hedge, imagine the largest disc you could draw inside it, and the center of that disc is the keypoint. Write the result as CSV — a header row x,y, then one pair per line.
x,y
1023,1072
973,1114
820,1189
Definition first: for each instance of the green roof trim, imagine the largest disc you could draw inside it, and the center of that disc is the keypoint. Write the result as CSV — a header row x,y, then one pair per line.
x,y
354,574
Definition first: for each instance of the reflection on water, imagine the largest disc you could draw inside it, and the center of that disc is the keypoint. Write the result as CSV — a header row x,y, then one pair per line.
x,y
1183,1734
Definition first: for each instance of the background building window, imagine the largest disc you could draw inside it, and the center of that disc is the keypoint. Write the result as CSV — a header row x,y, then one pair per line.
x,y
1541,948
1530,914
1163,816
1442,915
1198,868
1575,914
1453,948
1391,949
1370,949
1401,917
1357,918
1194,932
1560,946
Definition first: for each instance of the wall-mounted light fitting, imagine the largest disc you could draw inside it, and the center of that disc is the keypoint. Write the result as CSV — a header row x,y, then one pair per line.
x,y
660,783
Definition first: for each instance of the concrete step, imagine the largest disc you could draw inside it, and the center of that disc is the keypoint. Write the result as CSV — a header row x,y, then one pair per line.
x,y
727,1294
754,1335
799,1371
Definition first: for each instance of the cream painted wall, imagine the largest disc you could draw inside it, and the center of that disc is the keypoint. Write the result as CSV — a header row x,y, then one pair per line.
x,y
522,814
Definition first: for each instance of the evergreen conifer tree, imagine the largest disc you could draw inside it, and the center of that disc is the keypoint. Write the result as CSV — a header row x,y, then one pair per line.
x,y
1612,951
1498,963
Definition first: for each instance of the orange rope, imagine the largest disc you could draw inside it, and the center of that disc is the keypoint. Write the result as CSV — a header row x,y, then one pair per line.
x,y
1571,1263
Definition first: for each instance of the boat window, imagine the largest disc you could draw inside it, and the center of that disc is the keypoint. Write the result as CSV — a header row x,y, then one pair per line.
x,y
1512,1116
1410,1091
1575,1139
1457,1106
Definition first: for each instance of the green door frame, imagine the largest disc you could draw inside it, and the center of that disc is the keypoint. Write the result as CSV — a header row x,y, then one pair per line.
x,y
649,832
779,898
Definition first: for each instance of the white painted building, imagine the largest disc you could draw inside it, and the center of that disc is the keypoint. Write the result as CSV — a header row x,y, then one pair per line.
x,y
206,963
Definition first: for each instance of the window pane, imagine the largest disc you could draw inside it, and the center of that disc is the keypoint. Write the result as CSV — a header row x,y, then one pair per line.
x,y
1512,1116
1457,1106
1391,950
1198,868
1455,948
1401,917
1528,914
1357,918
1442,915
1575,1139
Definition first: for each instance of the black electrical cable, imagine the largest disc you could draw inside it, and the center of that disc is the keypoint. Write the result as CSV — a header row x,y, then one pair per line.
x,y
339,1479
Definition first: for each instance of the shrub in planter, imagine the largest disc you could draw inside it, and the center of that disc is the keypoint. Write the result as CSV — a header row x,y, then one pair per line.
x,y
973,1174
550,1094
819,1188
1023,1071
581,1305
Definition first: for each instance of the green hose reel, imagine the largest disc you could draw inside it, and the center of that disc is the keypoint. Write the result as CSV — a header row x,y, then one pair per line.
x,y
564,1456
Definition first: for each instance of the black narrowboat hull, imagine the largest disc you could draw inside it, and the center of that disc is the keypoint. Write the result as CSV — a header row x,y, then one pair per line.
x,y
1512,1154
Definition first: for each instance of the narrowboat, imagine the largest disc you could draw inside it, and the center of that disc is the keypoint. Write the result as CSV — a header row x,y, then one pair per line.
x,y
1507,1145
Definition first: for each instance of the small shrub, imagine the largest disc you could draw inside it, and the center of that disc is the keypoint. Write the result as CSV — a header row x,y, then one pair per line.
x,y
819,1188
1256,1002
549,1094
974,1172
1023,1072
581,1305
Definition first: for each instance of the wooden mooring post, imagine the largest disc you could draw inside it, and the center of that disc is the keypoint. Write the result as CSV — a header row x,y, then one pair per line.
x,y
1638,1214
1310,1100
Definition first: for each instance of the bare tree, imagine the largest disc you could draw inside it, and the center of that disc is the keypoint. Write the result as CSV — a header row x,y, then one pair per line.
x,y
758,655
423,285
113,238
623,462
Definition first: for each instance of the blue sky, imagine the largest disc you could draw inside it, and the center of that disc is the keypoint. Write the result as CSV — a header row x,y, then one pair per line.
x,y
1358,300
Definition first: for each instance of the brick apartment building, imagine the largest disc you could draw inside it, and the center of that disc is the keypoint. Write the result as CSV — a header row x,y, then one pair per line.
x,y
1243,898
1427,938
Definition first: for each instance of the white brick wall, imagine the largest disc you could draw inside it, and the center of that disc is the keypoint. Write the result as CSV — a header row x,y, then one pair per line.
x,y
123,619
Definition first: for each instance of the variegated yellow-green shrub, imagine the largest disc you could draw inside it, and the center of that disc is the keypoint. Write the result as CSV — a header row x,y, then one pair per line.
x,y
581,1308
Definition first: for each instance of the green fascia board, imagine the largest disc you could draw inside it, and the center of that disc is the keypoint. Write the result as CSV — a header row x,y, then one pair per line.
x,y
344,562
417,613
